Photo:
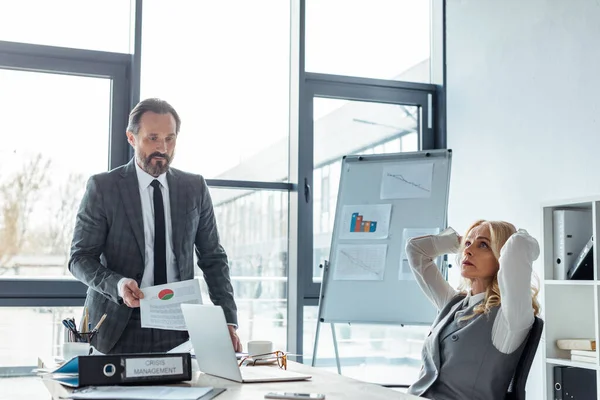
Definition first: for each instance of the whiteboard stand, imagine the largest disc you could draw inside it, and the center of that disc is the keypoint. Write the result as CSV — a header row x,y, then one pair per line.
x,y
320,319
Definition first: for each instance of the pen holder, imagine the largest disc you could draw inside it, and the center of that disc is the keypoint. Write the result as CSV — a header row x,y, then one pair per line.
x,y
73,349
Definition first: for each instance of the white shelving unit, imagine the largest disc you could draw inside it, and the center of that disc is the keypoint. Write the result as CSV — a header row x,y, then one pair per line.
x,y
571,309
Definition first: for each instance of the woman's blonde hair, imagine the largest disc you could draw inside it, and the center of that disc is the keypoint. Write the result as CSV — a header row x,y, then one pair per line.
x,y
500,231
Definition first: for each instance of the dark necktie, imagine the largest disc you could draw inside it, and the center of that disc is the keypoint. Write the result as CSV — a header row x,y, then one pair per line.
x,y
160,253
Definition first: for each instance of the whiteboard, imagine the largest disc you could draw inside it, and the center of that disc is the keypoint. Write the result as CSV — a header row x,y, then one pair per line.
x,y
383,200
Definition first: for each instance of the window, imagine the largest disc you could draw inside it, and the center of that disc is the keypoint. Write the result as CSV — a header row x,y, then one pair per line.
x,y
352,127
30,332
384,39
42,180
77,24
225,67
60,131
257,254
325,194
384,354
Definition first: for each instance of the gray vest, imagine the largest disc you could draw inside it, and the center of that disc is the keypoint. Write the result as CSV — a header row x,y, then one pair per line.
x,y
460,361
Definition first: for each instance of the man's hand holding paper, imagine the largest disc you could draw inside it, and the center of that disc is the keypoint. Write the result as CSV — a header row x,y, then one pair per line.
x,y
130,293
160,306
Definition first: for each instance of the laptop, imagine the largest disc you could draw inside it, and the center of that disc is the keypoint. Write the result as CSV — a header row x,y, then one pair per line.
x,y
214,352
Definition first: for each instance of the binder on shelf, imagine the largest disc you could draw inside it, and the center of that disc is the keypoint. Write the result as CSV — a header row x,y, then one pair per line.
x,y
583,267
571,231
574,383
116,369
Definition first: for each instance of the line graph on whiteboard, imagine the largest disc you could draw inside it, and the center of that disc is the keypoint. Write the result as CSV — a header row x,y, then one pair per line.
x,y
360,262
401,178
407,181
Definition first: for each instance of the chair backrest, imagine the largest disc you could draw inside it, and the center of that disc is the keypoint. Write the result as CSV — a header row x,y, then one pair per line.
x,y
516,391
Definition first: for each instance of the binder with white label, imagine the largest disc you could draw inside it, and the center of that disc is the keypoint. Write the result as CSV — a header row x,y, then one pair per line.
x,y
571,231
116,369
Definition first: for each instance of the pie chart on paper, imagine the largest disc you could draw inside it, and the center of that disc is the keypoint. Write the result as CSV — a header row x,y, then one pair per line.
x,y
165,294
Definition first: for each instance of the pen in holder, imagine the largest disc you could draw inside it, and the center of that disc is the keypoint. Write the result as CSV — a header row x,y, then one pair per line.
x,y
77,342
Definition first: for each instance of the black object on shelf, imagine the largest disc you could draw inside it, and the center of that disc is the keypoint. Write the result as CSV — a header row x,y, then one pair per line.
x,y
583,267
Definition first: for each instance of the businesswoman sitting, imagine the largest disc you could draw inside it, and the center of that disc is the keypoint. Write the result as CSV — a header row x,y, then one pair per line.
x,y
475,342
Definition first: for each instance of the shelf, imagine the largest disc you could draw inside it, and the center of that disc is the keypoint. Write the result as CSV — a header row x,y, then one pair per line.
x,y
569,363
563,296
569,283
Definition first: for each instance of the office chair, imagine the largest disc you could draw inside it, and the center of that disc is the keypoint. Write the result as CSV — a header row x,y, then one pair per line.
x,y
516,390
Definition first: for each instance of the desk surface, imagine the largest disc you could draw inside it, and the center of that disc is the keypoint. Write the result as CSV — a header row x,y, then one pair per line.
x,y
334,386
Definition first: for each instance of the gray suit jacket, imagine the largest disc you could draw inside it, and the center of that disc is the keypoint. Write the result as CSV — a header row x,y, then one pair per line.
x,y
108,244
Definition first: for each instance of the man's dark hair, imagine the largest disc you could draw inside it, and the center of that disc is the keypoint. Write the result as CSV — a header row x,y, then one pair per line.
x,y
154,105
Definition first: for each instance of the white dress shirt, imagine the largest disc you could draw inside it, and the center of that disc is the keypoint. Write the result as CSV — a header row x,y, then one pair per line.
x,y
146,195
515,317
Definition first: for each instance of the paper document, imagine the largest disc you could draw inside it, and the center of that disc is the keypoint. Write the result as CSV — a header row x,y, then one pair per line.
x,y
365,221
140,392
360,262
161,306
405,273
185,347
407,181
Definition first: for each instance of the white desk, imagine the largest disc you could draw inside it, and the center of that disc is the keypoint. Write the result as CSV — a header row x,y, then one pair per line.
x,y
334,386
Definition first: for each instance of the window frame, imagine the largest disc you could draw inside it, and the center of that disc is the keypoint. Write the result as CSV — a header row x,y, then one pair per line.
x,y
355,89
32,292
304,87
124,71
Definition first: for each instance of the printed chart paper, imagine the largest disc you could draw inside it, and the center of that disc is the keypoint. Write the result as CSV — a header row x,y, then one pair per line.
x,y
360,262
407,181
405,273
161,306
365,221
140,392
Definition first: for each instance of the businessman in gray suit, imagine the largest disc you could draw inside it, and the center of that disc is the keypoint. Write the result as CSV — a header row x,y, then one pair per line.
x,y
138,226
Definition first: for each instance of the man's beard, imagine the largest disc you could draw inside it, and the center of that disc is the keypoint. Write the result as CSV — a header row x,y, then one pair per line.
x,y
160,167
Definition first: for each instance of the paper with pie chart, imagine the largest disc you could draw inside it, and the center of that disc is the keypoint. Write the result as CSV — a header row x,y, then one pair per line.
x,y
161,306
360,262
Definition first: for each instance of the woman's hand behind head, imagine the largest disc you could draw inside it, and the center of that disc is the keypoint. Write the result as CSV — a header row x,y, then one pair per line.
x,y
522,241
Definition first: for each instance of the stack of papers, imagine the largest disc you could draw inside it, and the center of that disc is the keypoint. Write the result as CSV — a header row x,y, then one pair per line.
x,y
585,356
142,393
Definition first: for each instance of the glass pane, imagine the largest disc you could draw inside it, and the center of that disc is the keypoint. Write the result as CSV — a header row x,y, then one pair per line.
x,y
40,333
91,25
385,39
56,137
253,226
227,74
343,127
384,354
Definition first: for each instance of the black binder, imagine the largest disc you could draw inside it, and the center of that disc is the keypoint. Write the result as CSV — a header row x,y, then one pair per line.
x,y
583,267
119,369
574,383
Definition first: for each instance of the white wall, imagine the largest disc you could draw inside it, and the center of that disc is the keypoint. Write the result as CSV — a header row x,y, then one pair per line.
x,y
523,80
